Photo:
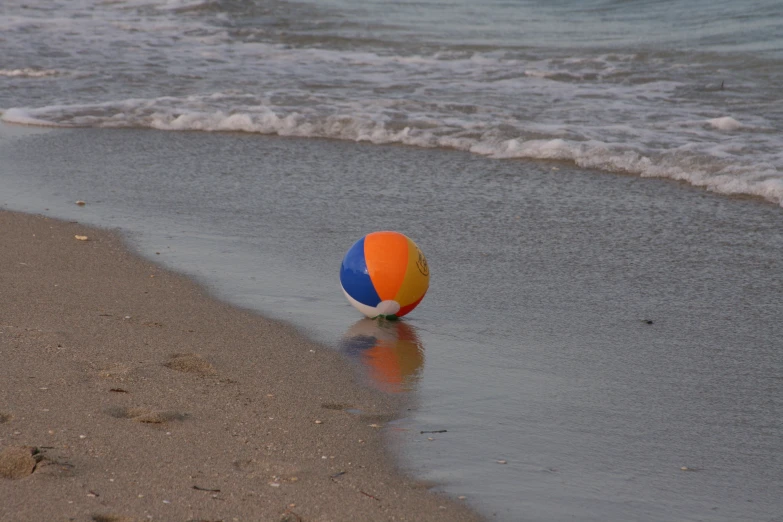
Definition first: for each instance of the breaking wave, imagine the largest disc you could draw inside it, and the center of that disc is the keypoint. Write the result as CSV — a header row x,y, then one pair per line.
x,y
708,165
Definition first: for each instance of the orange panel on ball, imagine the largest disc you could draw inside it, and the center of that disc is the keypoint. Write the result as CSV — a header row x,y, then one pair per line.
x,y
386,255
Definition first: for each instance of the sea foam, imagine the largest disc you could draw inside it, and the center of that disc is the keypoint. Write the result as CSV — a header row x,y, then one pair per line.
x,y
712,166
29,73
726,123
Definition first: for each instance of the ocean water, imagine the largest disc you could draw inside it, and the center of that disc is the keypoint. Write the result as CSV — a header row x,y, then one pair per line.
x,y
589,331
687,90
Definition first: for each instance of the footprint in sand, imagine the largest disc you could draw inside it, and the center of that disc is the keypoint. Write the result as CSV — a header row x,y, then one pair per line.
x,y
363,415
190,363
121,372
267,467
273,471
18,462
145,416
112,518
56,468
337,406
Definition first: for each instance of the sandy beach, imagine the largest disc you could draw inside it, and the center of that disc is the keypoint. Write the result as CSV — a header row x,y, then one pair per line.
x,y
598,193
129,394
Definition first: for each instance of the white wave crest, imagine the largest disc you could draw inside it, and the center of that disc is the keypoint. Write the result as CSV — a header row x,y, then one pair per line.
x,y
29,73
718,175
25,117
726,123
713,167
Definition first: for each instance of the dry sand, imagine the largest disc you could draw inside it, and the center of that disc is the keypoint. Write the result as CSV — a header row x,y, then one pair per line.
x,y
128,394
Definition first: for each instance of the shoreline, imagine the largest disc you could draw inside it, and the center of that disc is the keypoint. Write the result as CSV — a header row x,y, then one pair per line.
x,y
10,130
148,399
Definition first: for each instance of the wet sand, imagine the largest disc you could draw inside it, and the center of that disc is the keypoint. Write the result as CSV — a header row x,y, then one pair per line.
x,y
129,394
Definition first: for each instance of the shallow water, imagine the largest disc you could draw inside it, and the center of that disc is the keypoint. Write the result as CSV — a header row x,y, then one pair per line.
x,y
534,345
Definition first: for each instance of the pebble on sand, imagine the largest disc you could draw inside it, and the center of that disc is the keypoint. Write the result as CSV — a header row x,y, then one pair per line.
x,y
18,461
81,238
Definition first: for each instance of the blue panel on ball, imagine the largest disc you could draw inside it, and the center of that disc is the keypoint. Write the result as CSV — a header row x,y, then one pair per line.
x,y
354,277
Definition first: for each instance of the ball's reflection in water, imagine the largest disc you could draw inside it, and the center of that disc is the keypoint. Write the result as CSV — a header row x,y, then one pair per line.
x,y
390,353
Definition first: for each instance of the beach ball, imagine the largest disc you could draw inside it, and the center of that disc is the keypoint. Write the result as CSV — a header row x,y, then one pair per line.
x,y
384,274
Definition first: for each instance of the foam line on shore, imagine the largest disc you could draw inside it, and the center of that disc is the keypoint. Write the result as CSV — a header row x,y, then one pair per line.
x,y
710,163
